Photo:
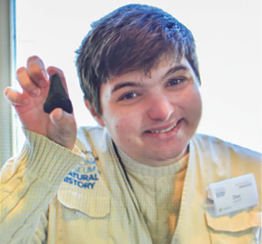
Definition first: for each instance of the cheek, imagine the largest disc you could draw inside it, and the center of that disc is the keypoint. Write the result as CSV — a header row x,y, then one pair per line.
x,y
196,107
120,126
121,134
196,100
193,104
127,129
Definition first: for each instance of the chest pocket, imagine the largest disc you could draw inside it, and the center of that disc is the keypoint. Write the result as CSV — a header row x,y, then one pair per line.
x,y
94,206
241,228
83,214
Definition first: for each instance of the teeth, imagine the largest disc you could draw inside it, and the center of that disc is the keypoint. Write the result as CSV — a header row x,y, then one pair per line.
x,y
163,131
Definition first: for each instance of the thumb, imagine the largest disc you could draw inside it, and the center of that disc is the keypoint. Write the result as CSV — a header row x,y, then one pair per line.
x,y
64,130
64,122
57,115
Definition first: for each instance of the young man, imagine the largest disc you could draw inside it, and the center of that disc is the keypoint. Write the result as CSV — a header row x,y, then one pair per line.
x,y
143,175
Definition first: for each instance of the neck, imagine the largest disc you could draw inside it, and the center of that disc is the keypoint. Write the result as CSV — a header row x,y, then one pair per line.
x,y
153,162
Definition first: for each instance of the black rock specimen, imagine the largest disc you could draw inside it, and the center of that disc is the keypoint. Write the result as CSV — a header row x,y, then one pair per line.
x,y
57,96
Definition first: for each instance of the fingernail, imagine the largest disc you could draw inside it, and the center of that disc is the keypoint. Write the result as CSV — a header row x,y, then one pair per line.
x,y
36,92
44,73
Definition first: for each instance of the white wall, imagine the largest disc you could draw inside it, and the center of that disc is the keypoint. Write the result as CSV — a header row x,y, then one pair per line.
x,y
228,37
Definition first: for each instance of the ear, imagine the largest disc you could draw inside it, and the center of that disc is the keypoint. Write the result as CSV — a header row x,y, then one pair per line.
x,y
96,116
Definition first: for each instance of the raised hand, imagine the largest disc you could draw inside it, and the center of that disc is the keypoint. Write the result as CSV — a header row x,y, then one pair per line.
x,y
58,126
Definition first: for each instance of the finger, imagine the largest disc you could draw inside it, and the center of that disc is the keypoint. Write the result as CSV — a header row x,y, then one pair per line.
x,y
56,115
53,70
15,97
63,120
36,71
65,127
26,83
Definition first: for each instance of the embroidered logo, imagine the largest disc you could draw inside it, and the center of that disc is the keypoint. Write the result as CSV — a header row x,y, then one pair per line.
x,y
85,174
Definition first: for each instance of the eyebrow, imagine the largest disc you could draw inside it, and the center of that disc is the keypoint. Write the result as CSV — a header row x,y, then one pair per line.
x,y
174,69
137,84
124,84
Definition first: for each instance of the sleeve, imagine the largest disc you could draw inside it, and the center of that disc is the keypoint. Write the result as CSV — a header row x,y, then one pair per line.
x,y
28,183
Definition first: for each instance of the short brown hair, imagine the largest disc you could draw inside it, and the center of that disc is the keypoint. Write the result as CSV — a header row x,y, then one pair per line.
x,y
131,38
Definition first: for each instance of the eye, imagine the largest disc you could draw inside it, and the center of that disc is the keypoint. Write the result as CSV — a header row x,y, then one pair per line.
x,y
174,81
128,96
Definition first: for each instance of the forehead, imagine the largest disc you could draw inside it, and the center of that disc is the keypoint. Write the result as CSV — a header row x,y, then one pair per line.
x,y
164,68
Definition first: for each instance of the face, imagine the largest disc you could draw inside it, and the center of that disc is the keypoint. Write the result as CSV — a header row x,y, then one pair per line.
x,y
152,118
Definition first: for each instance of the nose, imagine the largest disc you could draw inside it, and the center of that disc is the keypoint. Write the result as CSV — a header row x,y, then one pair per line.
x,y
159,107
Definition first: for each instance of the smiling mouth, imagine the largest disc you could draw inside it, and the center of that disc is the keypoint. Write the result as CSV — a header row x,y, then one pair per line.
x,y
162,131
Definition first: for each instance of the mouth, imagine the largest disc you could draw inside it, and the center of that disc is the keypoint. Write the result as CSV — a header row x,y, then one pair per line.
x,y
163,130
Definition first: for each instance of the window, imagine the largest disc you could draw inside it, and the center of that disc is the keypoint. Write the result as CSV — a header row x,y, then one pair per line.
x,y
6,71
228,39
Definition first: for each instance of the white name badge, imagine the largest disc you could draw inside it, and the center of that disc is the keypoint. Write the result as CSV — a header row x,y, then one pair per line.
x,y
234,194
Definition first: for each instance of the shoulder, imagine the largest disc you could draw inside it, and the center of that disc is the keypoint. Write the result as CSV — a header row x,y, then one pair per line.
x,y
220,160
93,138
85,137
216,146
224,157
89,132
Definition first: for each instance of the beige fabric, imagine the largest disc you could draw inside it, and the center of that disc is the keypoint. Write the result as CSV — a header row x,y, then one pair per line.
x,y
158,191
27,185
102,208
